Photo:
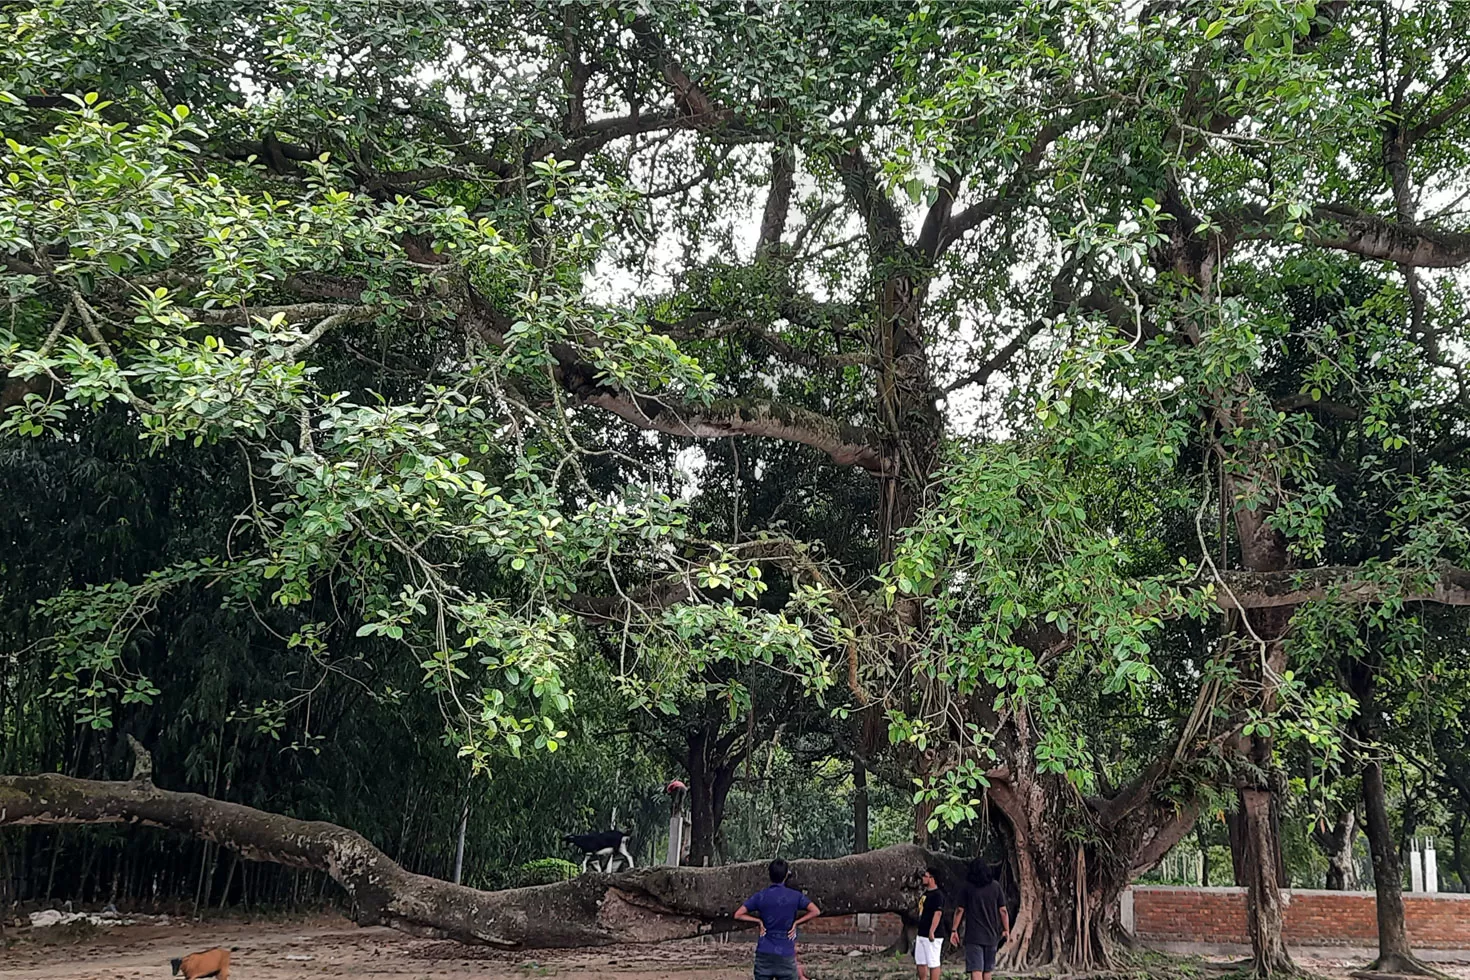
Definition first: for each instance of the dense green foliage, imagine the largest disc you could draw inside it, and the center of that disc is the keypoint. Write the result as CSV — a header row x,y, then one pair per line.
x,y
413,410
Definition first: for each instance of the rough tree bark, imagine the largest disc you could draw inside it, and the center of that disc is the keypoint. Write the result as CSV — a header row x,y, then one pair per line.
x,y
1266,917
712,761
860,808
1235,829
1337,843
1262,859
1068,914
645,905
1394,954
1249,495
708,790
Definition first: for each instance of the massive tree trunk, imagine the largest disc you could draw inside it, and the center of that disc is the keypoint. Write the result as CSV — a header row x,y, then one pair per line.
x,y
646,905
1068,914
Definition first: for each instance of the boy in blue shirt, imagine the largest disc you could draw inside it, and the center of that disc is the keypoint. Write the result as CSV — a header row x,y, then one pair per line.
x,y
777,911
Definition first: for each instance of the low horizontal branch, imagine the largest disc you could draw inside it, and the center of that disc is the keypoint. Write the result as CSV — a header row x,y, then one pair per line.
x,y
643,905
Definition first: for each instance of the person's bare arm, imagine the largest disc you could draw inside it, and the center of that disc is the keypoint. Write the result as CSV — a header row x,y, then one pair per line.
x,y
954,930
811,913
1005,923
744,916
934,922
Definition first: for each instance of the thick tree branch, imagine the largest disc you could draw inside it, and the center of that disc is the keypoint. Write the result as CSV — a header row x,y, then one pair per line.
x,y
1264,590
885,225
778,200
938,218
618,608
687,94
1360,233
1164,839
1444,116
646,905
996,361
848,445
936,238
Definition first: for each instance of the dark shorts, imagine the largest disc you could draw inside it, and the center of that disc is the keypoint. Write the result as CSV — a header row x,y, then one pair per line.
x,y
979,958
770,966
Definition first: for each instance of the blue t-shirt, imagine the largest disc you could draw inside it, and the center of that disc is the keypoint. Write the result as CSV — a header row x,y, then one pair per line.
x,y
778,907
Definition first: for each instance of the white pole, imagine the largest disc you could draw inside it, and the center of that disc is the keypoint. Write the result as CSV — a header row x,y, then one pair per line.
x,y
1416,867
676,829
676,826
1431,867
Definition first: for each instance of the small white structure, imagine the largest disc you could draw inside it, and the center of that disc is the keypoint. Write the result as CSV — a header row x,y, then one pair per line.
x,y
679,825
676,827
1431,866
1416,866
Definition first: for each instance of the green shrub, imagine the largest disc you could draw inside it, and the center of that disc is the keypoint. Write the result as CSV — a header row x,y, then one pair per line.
x,y
544,871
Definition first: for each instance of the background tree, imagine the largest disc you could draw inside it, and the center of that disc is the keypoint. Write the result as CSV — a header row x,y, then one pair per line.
x,y
1026,270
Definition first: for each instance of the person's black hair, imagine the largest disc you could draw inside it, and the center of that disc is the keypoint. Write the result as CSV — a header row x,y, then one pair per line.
x,y
932,872
980,874
779,870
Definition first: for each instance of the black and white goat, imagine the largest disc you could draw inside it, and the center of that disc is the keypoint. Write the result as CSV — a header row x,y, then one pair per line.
x,y
608,844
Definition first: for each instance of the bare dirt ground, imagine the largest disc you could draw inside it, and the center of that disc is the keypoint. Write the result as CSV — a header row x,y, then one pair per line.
x,y
333,947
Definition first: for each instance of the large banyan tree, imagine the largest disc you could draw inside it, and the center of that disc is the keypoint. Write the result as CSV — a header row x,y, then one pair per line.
x,y
1031,272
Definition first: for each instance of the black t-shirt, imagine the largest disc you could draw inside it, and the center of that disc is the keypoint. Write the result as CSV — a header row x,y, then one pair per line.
x,y
928,902
982,913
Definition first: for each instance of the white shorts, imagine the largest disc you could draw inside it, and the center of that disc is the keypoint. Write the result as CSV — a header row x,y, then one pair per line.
x,y
926,951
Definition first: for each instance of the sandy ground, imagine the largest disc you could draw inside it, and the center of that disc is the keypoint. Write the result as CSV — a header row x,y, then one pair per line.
x,y
334,947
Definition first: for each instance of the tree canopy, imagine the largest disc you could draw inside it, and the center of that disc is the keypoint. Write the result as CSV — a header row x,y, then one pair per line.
x,y
1041,405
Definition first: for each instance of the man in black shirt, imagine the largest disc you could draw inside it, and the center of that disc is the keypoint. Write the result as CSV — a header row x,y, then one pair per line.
x,y
986,920
933,927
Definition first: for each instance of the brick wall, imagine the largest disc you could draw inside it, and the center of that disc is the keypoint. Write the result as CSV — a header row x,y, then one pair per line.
x,y
1313,917
886,925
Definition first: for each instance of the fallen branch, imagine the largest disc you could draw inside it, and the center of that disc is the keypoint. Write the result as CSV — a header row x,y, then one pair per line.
x,y
643,905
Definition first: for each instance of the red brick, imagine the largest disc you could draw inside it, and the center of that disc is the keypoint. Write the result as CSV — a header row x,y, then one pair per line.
x,y
1347,918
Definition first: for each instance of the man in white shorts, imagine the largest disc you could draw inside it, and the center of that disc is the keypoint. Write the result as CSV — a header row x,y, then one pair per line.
x,y
933,927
